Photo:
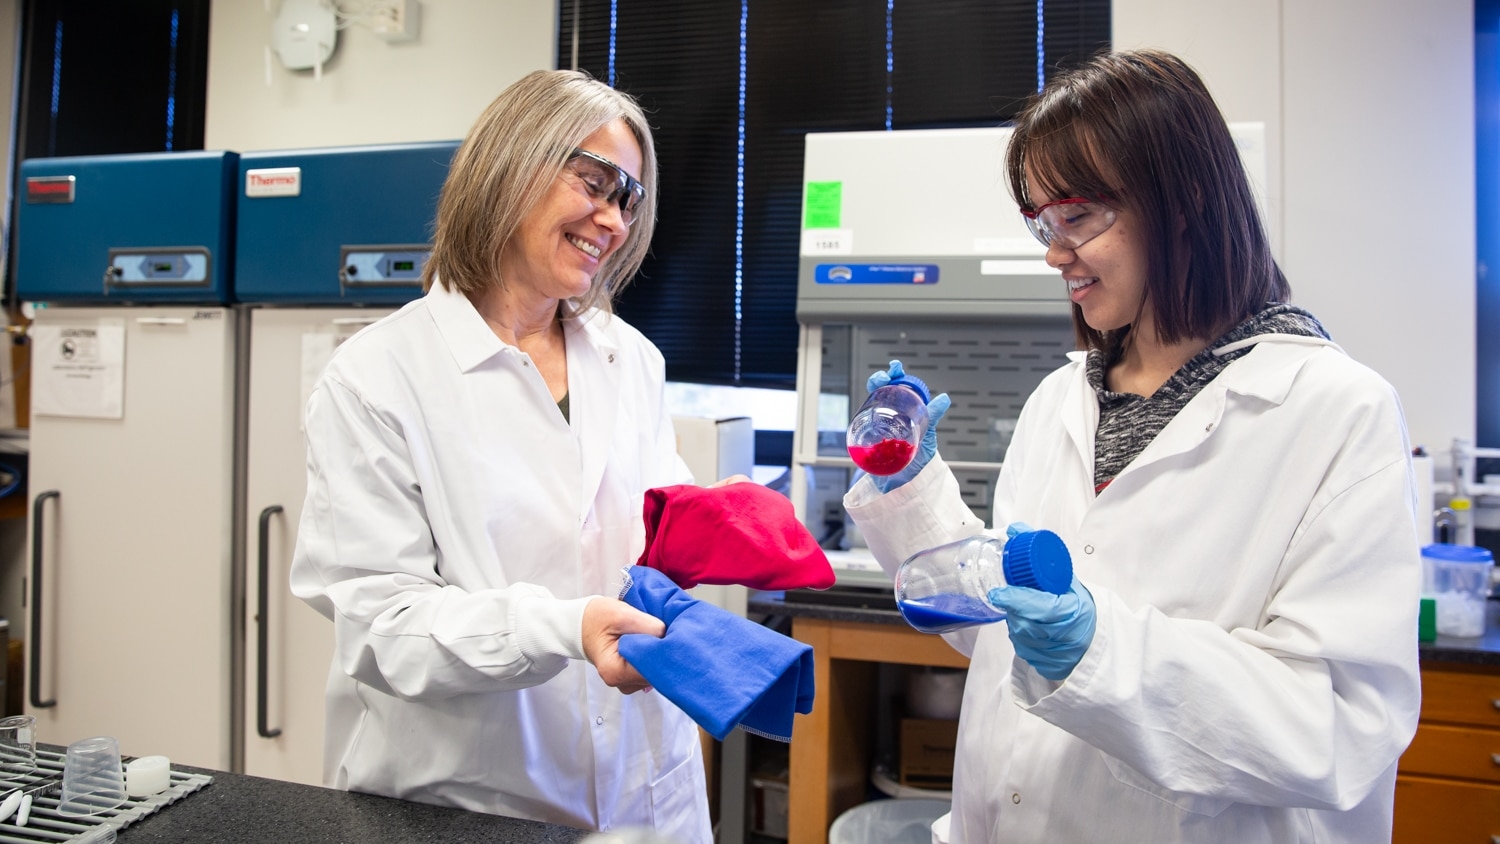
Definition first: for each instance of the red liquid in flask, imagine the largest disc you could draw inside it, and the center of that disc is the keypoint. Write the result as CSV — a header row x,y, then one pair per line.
x,y
886,457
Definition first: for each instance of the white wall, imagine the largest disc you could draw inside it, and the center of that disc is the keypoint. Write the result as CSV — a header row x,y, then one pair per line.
x,y
1369,109
371,91
1368,106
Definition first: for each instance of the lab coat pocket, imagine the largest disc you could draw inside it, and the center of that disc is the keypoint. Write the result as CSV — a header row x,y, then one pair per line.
x,y
1194,803
678,803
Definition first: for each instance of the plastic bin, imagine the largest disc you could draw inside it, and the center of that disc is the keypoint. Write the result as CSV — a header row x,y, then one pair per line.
x,y
894,821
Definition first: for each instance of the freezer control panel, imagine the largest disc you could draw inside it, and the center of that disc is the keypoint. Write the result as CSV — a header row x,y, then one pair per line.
x,y
185,266
383,265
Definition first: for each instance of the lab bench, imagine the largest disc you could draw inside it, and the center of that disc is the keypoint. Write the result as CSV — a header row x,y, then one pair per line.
x,y
1448,787
241,809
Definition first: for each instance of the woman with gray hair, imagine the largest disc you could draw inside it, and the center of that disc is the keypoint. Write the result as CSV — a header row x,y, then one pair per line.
x,y
476,468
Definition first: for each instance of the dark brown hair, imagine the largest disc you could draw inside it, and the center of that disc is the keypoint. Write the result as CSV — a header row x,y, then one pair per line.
x,y
1139,130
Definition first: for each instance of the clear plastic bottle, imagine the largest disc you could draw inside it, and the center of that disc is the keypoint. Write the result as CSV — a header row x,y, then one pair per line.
x,y
888,428
948,587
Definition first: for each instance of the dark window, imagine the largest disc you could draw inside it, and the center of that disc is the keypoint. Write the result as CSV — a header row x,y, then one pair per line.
x,y
109,77
721,78
105,77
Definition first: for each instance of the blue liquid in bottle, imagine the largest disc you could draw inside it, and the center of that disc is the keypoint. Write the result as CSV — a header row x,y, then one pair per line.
x,y
942,613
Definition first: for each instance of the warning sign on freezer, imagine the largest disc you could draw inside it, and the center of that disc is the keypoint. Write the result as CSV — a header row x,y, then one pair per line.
x,y
78,370
876,274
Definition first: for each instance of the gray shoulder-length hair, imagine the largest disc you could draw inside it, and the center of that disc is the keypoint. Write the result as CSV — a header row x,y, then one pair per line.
x,y
506,165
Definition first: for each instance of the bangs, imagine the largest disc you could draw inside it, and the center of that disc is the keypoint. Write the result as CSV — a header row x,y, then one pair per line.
x,y
1056,158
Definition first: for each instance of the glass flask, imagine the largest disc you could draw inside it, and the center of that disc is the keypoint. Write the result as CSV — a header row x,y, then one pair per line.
x,y
947,588
886,431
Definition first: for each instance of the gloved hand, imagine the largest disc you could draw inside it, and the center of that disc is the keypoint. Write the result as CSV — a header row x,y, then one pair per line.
x,y
927,448
1051,632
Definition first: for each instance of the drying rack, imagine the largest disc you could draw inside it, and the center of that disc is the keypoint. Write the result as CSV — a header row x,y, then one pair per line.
x,y
48,826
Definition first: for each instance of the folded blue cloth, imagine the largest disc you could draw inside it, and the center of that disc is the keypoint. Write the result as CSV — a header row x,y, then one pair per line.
x,y
723,670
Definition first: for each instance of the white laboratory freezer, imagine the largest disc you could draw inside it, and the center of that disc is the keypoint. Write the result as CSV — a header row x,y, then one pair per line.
x,y
131,466
284,705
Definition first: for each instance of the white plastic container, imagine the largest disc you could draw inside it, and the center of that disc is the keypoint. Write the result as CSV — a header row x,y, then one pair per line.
x,y
895,821
1457,577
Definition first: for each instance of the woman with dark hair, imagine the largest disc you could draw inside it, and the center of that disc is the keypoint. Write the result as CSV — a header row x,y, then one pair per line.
x,y
477,463
1236,658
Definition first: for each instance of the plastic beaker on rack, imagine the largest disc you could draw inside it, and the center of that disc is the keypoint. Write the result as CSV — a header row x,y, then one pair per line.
x,y
17,747
93,780
947,588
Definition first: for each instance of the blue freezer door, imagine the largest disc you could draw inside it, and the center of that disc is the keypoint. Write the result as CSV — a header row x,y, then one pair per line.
x,y
339,225
148,227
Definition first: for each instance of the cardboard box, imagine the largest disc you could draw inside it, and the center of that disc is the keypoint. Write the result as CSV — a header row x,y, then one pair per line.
x,y
716,448
927,752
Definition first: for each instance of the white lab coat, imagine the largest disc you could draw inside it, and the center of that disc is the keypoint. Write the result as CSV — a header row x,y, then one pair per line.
x,y
1253,673
455,527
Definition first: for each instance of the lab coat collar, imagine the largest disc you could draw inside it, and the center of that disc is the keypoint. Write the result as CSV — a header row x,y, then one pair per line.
x,y
1266,374
470,339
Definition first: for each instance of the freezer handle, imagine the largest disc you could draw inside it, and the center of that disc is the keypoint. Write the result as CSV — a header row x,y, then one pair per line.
x,y
36,600
263,633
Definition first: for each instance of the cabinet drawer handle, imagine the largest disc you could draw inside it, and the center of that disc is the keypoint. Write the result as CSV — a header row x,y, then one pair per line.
x,y
1495,757
1495,839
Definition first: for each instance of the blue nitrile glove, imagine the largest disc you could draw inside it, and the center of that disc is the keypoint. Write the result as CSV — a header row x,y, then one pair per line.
x,y
1015,529
1051,632
927,448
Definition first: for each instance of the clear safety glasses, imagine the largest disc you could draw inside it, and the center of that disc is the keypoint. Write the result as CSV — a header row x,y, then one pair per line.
x,y
1069,223
606,182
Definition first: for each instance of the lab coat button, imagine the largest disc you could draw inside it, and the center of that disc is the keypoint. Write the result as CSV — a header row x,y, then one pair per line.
x,y
599,721
1016,798
611,358
1088,549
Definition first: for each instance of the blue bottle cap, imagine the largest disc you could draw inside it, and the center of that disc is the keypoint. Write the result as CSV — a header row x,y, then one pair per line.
x,y
1458,553
915,383
1040,560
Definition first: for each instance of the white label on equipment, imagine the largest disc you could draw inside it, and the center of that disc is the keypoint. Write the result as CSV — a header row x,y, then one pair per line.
x,y
827,241
273,181
1002,267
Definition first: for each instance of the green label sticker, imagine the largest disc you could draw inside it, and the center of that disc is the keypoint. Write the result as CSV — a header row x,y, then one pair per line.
x,y
823,205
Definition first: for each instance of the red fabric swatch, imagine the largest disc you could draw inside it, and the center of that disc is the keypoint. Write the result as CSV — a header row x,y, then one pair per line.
x,y
744,534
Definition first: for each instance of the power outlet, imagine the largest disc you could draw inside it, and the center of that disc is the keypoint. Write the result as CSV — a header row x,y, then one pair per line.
x,y
396,20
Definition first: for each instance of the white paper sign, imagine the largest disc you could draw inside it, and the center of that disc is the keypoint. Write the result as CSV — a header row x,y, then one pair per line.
x,y
79,370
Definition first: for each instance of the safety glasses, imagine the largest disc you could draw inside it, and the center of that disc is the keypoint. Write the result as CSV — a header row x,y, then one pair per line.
x,y
1070,223
605,182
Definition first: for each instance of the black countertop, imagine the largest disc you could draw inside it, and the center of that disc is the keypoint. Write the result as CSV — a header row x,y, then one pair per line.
x,y
240,809
880,609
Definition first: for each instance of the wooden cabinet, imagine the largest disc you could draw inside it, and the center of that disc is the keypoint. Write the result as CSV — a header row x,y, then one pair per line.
x,y
1448,787
830,762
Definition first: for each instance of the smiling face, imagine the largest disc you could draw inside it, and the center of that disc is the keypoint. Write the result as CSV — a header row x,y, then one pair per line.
x,y
1106,275
558,249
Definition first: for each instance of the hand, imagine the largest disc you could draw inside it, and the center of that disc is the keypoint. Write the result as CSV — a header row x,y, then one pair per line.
x,y
732,479
926,449
1051,632
605,620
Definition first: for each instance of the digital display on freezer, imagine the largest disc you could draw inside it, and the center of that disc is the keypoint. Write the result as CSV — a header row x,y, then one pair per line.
x,y
383,265
157,266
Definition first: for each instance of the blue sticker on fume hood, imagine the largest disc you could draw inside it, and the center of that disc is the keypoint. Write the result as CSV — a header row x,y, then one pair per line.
x,y
876,274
